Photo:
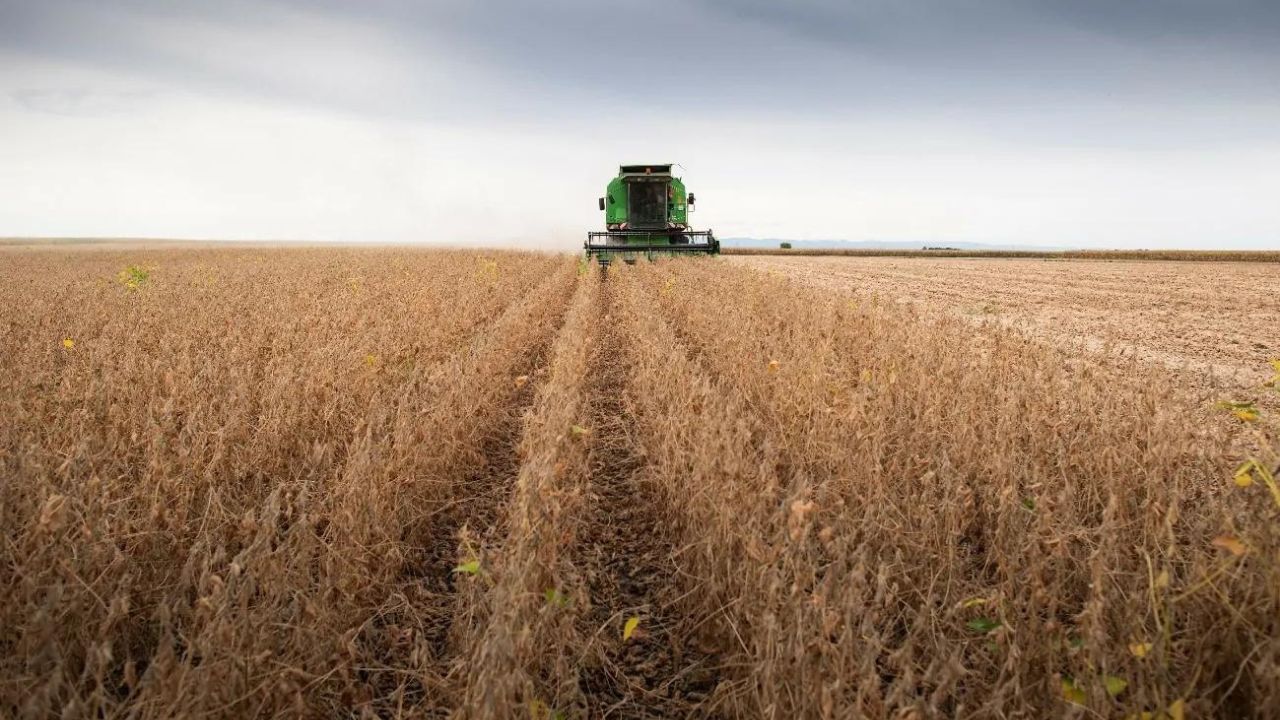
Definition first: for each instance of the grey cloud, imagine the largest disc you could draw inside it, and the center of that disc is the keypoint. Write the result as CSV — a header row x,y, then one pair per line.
x,y
998,50
269,50
1015,64
973,22
1200,22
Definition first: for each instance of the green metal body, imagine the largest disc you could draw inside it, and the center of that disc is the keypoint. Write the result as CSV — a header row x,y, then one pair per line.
x,y
617,202
646,212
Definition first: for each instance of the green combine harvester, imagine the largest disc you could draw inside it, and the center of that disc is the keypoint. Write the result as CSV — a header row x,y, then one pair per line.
x,y
646,213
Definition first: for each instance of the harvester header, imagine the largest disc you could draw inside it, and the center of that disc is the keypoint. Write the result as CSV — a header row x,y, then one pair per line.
x,y
646,212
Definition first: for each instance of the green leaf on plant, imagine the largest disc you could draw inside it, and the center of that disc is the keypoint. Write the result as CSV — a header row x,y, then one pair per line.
x,y
1115,685
1072,693
1245,411
983,625
133,277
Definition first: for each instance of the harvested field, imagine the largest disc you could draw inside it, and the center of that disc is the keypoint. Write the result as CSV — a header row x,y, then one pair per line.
x,y
1264,256
1218,320
399,483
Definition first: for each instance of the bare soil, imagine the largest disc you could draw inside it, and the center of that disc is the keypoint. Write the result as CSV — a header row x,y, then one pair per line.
x,y
632,569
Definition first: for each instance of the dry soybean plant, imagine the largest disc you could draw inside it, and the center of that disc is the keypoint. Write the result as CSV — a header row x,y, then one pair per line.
x,y
396,483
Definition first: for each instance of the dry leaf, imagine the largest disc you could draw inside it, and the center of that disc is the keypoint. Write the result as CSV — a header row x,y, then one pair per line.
x,y
1231,544
1246,414
51,513
1139,649
1244,475
629,628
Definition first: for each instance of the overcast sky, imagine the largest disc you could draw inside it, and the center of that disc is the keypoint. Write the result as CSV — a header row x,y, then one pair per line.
x,y
1082,122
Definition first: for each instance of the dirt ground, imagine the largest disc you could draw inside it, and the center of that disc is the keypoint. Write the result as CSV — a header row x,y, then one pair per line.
x,y
1219,322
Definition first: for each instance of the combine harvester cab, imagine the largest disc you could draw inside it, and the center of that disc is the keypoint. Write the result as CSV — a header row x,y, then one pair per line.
x,y
646,213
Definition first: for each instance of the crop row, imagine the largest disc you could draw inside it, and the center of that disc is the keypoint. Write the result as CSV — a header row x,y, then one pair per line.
x,y
224,485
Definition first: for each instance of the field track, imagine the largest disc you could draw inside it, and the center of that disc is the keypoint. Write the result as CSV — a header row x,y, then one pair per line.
x,y
397,483
632,558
